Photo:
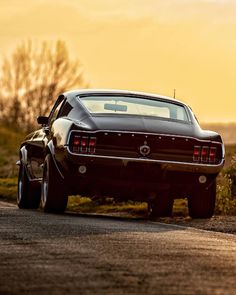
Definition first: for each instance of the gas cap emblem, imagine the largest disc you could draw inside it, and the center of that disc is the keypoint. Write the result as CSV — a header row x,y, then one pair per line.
x,y
144,150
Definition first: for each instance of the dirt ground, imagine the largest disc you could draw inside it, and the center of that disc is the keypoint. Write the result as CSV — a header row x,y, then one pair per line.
x,y
225,224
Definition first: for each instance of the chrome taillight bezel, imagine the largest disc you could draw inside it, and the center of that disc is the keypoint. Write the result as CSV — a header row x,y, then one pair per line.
x,y
205,154
82,144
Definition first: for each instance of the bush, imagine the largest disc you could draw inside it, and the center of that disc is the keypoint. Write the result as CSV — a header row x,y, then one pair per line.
x,y
226,191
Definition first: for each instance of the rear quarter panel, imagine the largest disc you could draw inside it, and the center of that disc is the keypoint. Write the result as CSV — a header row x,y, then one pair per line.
x,y
60,131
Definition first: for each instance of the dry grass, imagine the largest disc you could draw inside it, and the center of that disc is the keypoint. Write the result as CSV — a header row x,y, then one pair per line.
x,y
107,206
9,149
129,208
8,189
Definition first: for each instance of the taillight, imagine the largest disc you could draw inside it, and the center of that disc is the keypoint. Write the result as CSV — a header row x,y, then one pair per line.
x,y
212,155
76,144
82,144
196,153
204,154
92,145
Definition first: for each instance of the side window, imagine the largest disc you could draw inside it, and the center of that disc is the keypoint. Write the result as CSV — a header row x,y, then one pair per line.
x,y
55,112
65,109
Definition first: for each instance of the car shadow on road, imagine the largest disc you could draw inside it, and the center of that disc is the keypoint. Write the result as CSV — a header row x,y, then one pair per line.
x,y
116,223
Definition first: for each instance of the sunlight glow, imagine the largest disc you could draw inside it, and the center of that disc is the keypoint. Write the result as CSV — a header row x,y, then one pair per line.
x,y
154,46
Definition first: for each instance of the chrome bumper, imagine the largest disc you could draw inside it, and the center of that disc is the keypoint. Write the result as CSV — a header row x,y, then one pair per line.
x,y
165,165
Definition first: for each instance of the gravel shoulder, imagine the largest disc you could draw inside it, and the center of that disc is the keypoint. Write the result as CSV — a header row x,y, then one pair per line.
x,y
225,224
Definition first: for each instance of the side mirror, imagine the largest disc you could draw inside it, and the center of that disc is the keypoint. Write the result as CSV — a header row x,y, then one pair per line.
x,y
42,120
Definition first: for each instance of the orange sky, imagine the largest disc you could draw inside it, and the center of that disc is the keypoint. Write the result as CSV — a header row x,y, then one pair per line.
x,y
145,45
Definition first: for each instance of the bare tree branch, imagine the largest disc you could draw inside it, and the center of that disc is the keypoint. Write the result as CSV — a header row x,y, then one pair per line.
x,y
32,77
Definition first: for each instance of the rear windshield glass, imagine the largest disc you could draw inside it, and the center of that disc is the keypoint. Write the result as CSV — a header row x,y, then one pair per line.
x,y
126,105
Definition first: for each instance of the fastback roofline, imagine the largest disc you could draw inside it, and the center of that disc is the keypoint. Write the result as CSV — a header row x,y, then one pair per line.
x,y
117,91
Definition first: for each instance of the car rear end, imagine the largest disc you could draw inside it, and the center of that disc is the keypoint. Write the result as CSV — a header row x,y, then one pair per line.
x,y
117,160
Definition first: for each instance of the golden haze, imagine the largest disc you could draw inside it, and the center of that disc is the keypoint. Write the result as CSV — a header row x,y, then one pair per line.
x,y
145,45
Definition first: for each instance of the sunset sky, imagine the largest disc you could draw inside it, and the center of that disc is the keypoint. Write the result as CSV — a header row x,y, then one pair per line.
x,y
145,45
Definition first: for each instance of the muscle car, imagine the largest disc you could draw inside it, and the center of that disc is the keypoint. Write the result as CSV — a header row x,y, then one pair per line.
x,y
122,144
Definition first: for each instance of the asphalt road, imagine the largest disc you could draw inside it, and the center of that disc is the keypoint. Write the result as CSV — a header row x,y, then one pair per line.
x,y
73,254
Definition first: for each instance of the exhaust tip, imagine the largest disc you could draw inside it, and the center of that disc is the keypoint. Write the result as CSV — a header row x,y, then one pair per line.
x,y
202,179
82,169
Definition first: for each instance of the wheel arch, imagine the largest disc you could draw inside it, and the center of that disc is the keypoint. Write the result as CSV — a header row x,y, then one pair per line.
x,y
50,150
23,155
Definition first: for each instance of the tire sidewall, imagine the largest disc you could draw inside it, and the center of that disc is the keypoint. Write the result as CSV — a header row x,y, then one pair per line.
x,y
202,201
44,190
23,188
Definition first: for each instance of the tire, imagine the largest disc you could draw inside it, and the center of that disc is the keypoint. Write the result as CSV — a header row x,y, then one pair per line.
x,y
161,206
54,198
201,203
29,193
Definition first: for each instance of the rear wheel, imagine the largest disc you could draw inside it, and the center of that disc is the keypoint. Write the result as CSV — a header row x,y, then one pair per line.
x,y
201,203
29,192
161,206
54,198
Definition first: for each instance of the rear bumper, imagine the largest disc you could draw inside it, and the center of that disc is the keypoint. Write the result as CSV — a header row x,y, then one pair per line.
x,y
135,177
163,164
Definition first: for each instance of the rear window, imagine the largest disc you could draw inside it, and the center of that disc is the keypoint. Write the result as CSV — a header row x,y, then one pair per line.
x,y
126,105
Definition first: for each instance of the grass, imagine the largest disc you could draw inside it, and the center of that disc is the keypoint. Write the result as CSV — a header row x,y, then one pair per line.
x,y
10,140
106,206
8,188
129,208
9,149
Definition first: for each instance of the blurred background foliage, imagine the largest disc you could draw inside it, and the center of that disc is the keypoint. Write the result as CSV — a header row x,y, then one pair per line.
x,y
32,77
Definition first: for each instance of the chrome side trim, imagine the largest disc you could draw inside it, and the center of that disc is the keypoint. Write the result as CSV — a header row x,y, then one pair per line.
x,y
168,165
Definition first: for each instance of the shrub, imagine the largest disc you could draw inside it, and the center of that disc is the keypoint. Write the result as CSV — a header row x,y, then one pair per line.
x,y
226,191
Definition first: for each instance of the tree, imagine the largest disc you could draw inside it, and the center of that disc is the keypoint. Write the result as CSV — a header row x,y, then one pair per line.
x,y
32,77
